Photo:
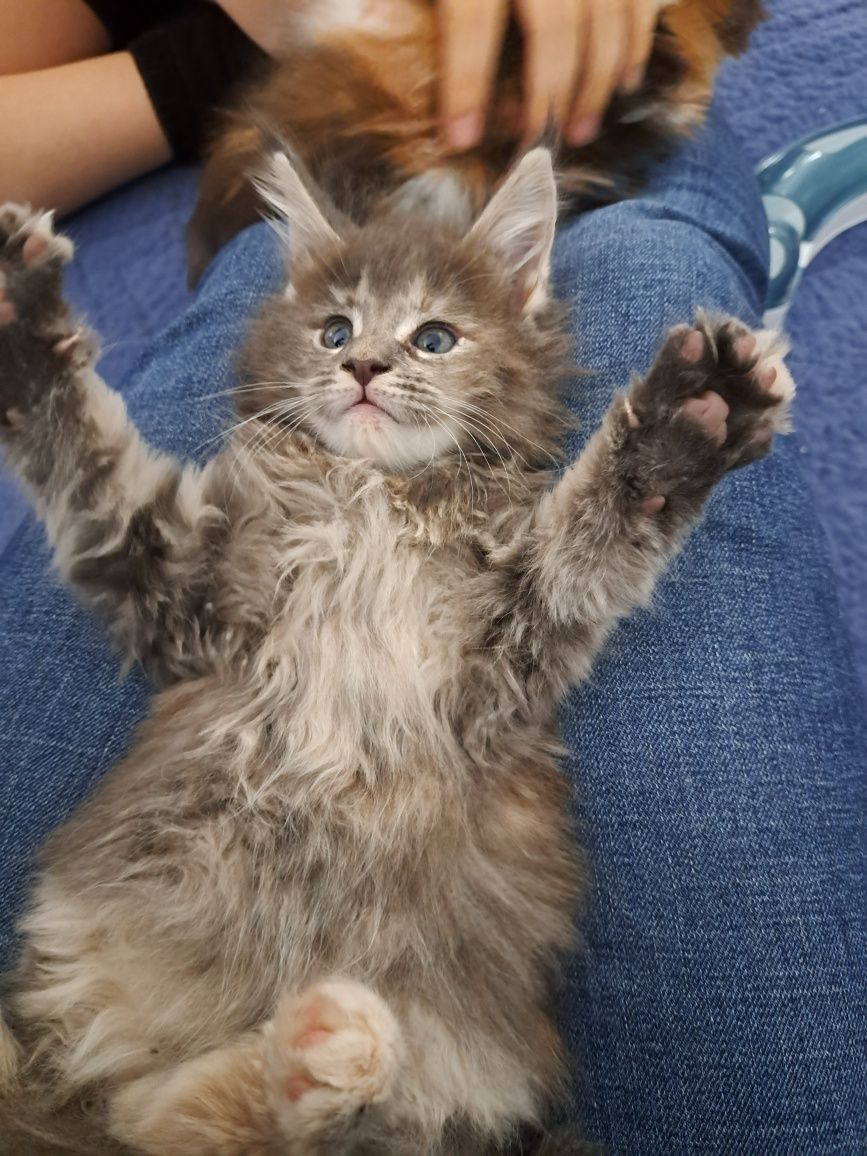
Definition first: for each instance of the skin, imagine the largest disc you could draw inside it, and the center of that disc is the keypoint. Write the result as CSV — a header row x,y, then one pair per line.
x,y
63,143
75,34
579,53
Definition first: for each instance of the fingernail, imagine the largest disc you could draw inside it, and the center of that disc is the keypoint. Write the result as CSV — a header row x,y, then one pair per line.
x,y
633,80
584,130
464,131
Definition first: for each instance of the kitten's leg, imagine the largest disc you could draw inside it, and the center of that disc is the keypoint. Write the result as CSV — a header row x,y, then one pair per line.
x,y
711,402
299,1086
132,531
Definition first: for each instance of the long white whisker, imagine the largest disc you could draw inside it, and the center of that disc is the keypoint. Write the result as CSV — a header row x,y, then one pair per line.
x,y
227,433
463,462
503,424
463,422
430,459
249,387
264,438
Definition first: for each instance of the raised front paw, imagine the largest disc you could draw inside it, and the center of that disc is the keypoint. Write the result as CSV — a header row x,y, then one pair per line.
x,y
38,341
712,401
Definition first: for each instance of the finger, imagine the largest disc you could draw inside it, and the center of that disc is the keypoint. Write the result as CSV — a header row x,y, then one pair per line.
x,y
601,68
551,57
642,18
471,35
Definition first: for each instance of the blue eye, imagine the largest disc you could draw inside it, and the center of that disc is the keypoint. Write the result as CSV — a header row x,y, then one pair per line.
x,y
434,339
336,333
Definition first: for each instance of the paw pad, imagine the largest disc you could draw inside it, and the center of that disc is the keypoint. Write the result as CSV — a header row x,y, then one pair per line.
x,y
652,505
745,347
710,412
339,1037
693,346
8,312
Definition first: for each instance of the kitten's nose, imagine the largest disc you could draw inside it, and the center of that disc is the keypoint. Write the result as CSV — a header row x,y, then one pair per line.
x,y
365,371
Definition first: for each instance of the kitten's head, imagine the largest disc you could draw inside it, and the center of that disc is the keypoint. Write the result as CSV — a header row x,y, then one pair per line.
x,y
409,339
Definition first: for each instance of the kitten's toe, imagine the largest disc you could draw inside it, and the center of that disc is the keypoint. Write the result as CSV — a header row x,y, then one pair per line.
x,y
8,312
774,379
693,346
30,237
753,378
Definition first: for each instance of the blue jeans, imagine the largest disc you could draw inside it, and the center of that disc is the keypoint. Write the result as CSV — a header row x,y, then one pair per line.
x,y
717,752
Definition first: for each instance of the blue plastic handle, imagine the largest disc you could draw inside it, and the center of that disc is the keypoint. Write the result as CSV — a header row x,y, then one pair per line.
x,y
812,191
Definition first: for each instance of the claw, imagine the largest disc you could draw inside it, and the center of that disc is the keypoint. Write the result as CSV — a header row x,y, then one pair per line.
x,y
631,418
67,344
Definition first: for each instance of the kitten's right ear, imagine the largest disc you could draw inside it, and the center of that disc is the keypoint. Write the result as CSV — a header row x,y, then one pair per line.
x,y
285,192
518,225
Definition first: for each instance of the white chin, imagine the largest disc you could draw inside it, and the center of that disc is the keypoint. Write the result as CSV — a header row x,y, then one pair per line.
x,y
368,432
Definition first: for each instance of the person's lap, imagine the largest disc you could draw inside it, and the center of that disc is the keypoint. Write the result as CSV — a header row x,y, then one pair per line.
x,y
716,751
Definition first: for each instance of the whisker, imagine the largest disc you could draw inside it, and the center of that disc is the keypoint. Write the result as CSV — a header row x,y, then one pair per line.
x,y
469,405
463,462
227,433
430,459
464,423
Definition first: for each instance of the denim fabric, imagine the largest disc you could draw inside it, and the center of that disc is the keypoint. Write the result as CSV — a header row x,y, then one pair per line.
x,y
717,753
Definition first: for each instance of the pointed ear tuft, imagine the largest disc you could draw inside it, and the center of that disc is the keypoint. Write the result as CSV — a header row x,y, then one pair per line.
x,y
518,224
287,195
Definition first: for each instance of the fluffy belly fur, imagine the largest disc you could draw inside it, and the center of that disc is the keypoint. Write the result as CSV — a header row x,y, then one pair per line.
x,y
313,812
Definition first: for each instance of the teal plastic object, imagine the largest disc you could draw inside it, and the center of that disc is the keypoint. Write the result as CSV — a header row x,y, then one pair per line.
x,y
813,191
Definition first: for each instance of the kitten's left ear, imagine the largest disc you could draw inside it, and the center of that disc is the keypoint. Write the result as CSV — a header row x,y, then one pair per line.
x,y
518,224
283,189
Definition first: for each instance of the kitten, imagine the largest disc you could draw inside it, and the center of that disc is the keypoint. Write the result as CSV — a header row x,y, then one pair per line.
x,y
354,89
320,906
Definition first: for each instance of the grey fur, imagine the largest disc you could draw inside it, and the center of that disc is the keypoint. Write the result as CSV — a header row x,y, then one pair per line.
x,y
352,769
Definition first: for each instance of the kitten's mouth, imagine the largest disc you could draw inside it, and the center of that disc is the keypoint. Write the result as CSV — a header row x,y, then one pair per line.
x,y
367,409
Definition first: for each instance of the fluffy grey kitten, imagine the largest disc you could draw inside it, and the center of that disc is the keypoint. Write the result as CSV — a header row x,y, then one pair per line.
x,y
320,905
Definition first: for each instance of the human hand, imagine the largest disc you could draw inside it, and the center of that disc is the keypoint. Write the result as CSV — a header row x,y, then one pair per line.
x,y
577,54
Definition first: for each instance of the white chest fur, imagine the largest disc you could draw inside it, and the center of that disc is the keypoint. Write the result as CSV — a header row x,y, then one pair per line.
x,y
365,632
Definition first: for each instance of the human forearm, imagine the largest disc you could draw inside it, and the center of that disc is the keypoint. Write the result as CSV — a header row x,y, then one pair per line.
x,y
75,33
72,133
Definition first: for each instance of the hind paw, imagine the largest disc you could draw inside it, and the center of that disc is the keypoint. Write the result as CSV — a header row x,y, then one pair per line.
x,y
329,1051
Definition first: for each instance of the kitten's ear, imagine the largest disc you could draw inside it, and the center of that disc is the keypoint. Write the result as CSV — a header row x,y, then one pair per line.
x,y
518,224
282,188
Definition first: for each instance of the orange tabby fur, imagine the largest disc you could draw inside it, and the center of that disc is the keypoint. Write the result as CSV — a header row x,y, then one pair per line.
x,y
362,97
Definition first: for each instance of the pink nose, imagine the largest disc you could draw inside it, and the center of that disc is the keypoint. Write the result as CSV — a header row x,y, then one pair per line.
x,y
365,371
